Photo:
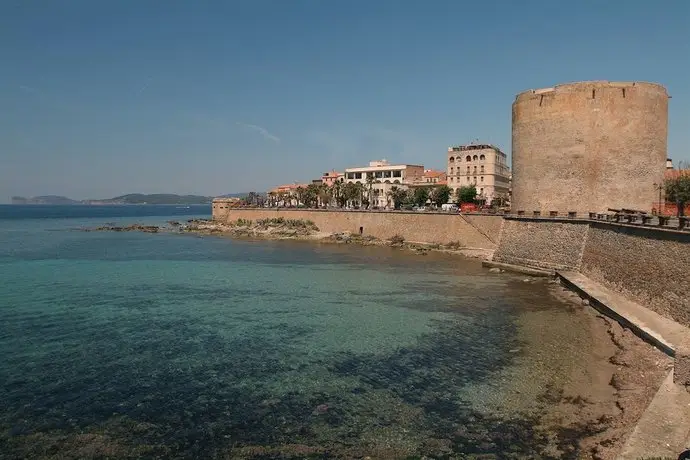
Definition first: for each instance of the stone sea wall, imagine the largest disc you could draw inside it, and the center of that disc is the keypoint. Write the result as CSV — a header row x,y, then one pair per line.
x,y
650,266
544,244
480,232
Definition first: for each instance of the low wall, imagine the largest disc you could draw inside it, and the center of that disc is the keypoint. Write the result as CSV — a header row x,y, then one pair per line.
x,y
543,244
481,232
650,266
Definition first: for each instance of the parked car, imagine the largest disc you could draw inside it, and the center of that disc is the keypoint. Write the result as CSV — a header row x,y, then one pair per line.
x,y
449,207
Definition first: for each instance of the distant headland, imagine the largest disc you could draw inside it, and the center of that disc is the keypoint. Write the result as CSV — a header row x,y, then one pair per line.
x,y
132,198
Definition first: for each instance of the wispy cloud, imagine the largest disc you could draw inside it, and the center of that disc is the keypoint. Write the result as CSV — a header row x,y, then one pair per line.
x,y
28,89
261,130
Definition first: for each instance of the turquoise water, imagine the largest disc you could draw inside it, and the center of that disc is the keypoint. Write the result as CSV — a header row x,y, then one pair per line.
x,y
176,346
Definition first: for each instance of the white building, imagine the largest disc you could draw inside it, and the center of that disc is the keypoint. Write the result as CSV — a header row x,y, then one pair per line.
x,y
383,176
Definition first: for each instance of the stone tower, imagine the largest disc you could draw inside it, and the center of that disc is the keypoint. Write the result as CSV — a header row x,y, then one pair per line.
x,y
589,146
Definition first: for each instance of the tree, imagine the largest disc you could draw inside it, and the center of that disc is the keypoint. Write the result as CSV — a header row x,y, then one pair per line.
x,y
325,194
300,193
466,194
398,196
311,195
441,195
421,195
678,191
359,193
338,193
370,187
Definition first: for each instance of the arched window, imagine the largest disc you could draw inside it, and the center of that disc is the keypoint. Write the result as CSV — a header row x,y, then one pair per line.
x,y
396,181
451,159
482,157
468,158
474,158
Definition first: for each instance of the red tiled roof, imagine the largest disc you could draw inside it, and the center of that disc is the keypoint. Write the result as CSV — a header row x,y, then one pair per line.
x,y
676,173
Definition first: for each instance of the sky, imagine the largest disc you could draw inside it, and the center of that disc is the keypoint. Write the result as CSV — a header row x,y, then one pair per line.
x,y
202,97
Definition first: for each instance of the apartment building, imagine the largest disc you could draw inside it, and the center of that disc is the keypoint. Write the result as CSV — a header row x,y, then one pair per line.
x,y
383,176
483,165
430,178
331,177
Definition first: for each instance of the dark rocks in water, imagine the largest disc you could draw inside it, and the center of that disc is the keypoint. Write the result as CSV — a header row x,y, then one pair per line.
x,y
128,228
174,223
320,409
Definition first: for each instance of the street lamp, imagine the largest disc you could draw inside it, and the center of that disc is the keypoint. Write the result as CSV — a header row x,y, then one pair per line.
x,y
659,187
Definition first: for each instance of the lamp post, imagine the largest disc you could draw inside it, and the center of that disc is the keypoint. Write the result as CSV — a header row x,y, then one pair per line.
x,y
659,187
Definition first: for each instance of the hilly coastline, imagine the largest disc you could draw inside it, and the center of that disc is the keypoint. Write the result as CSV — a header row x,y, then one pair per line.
x,y
132,198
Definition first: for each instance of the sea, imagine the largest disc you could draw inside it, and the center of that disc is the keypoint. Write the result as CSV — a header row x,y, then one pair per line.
x,y
137,345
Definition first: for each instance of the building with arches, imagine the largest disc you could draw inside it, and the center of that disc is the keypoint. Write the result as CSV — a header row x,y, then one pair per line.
x,y
483,165
383,176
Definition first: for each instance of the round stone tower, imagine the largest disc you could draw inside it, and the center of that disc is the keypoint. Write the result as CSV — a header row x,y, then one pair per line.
x,y
589,146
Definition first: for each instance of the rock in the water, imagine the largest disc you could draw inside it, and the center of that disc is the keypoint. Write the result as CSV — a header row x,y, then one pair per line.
x,y
320,409
495,270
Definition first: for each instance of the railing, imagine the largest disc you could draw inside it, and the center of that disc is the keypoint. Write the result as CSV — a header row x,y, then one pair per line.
x,y
623,218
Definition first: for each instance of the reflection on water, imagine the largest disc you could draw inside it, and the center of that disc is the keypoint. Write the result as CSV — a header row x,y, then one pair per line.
x,y
159,345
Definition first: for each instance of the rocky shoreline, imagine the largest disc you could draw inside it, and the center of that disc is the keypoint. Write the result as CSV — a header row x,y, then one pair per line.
x,y
288,229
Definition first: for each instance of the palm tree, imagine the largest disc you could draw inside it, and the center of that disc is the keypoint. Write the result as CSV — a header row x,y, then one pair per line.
x,y
370,186
325,195
359,193
337,192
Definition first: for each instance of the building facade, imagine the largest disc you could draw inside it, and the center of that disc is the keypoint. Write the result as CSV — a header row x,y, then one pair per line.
x,y
483,165
382,177
331,177
430,178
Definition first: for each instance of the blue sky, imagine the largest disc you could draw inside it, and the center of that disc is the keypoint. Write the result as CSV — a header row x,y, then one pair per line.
x,y
209,97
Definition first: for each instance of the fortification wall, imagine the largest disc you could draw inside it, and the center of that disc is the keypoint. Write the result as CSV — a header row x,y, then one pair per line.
x,y
650,266
588,146
415,227
542,244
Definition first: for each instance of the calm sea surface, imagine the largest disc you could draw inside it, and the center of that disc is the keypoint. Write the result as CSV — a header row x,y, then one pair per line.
x,y
176,346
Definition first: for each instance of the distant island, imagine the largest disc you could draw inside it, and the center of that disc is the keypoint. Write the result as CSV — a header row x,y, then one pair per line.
x,y
132,198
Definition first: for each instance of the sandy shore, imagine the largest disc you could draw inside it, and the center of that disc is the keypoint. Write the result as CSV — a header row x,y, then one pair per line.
x,y
608,394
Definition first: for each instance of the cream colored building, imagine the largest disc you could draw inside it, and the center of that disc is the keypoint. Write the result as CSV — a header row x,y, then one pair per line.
x,y
385,176
481,165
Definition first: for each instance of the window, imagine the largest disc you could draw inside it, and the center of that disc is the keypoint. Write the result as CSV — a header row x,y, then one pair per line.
x,y
468,178
451,160
396,173
482,178
468,158
481,191
474,158
468,170
474,170
482,157
451,170
482,169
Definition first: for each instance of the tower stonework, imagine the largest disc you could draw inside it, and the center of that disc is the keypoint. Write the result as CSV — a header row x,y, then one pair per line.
x,y
589,146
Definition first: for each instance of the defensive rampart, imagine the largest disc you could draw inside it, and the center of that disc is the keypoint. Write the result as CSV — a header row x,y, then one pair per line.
x,y
477,232
648,265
